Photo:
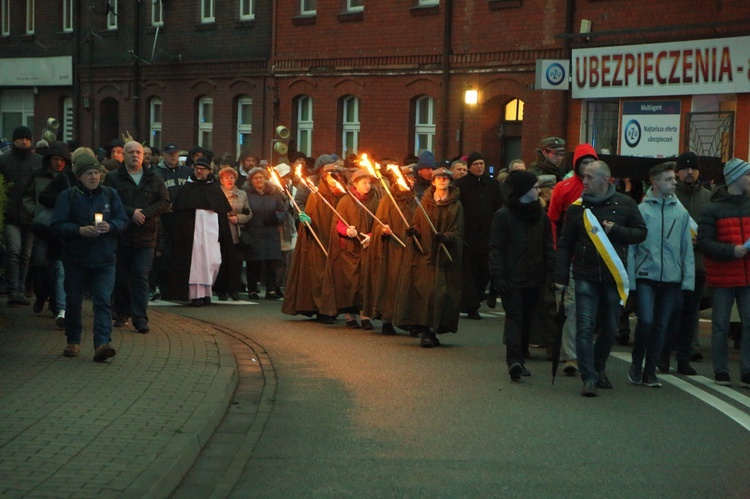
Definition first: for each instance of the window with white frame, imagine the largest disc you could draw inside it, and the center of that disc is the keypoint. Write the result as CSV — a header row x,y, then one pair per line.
x,y
308,7
350,125
424,124
247,10
207,11
429,2
112,12
29,17
304,124
355,5
155,122
67,17
16,109
5,18
244,123
206,122
67,119
157,13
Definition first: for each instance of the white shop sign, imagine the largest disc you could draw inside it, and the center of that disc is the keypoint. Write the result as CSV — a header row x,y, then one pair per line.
x,y
650,129
36,71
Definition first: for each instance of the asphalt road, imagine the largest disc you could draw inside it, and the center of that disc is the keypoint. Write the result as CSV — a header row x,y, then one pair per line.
x,y
354,413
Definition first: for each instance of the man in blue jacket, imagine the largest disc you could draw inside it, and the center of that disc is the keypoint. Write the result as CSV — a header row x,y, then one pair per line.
x,y
88,216
664,268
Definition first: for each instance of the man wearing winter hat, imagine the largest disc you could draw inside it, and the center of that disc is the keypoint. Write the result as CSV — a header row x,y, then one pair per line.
x,y
683,331
522,260
481,197
303,192
16,167
425,166
88,216
723,230
550,154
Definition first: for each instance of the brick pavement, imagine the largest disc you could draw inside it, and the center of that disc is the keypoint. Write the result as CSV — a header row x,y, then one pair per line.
x,y
132,427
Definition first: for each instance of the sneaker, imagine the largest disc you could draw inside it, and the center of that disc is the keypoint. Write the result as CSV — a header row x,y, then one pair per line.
x,y
60,319
142,327
604,382
17,299
278,292
72,350
253,295
723,379
103,352
526,373
571,368
155,296
367,325
387,329
120,321
589,388
745,381
515,371
650,380
686,369
634,375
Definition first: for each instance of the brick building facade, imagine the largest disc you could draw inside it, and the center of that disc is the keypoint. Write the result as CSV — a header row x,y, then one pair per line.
x,y
385,77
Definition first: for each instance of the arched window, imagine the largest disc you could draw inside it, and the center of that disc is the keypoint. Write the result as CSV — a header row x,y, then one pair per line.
x,y
514,110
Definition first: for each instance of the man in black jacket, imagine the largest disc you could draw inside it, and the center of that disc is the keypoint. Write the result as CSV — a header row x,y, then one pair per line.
x,y
481,197
602,215
145,198
16,166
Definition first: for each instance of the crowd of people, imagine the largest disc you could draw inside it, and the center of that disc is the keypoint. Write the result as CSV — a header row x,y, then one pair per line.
x,y
411,243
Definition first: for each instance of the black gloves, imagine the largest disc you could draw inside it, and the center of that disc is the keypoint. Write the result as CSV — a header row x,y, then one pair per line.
x,y
442,238
412,231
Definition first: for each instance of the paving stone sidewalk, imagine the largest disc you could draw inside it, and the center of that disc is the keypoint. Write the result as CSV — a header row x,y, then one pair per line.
x,y
131,427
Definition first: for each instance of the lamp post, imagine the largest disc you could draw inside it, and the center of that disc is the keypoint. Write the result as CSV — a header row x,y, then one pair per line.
x,y
470,97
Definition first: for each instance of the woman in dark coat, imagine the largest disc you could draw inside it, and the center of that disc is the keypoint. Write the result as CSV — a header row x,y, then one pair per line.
x,y
263,244
201,230
304,293
429,290
522,259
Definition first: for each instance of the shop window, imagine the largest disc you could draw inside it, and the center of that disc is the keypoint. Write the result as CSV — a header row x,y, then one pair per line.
x,y
350,125
424,124
244,124
155,122
602,124
206,122
304,124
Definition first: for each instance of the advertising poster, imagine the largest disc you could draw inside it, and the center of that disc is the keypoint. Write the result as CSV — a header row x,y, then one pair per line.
x,y
650,128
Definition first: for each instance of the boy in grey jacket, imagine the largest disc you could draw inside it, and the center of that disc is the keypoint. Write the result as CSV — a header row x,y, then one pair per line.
x,y
664,268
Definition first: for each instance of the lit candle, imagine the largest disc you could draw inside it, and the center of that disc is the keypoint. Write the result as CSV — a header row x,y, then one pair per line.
x,y
98,217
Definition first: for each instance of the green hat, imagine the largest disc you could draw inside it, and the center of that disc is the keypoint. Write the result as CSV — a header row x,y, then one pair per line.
x,y
85,163
551,143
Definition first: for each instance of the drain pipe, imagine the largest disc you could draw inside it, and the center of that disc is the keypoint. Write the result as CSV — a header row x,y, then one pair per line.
x,y
446,76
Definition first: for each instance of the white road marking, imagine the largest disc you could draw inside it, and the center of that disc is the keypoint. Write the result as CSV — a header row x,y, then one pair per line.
x,y
162,303
732,412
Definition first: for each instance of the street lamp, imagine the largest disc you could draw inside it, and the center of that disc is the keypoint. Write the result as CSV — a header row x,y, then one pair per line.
x,y
471,98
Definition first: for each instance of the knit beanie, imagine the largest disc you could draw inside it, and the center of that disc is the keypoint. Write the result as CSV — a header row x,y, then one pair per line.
x,y
426,160
734,169
687,160
85,163
22,132
521,181
473,157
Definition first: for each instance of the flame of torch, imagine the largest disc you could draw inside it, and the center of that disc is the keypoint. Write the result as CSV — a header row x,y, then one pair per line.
x,y
400,180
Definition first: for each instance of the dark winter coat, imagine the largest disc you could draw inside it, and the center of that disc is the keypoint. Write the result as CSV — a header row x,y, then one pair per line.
x,y
429,290
694,198
723,224
16,167
150,195
542,166
576,246
481,197
263,229
304,293
521,250
75,208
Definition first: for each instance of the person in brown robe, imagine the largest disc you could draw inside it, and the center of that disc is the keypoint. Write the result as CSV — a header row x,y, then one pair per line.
x,y
429,290
348,249
385,254
304,293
